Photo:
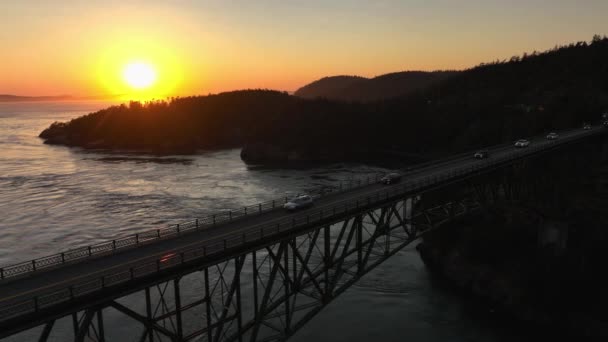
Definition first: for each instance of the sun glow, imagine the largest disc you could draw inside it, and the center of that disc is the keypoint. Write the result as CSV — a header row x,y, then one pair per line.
x,y
139,75
140,69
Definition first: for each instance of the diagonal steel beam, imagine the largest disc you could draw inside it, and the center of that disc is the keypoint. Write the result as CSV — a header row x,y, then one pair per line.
x,y
235,283
147,323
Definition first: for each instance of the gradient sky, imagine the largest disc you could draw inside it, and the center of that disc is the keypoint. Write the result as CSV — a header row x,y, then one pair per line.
x,y
80,47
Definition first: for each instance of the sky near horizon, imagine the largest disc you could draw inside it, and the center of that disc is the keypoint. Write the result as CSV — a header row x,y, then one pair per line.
x,y
197,47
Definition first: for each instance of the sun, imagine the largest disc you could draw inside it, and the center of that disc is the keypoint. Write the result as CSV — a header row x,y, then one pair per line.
x,y
139,75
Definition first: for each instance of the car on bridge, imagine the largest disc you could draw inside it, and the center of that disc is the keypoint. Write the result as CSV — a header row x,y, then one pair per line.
x,y
522,143
483,154
552,136
586,127
298,202
391,178
605,123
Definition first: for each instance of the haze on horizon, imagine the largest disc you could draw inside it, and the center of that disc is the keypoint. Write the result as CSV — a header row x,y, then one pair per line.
x,y
197,47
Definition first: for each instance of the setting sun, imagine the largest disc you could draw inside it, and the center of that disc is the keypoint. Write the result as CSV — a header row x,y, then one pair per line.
x,y
139,75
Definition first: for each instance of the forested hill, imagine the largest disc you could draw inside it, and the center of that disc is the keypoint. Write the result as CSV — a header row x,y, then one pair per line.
x,y
485,105
361,89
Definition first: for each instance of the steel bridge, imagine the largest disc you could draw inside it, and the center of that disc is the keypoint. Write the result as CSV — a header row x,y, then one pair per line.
x,y
253,274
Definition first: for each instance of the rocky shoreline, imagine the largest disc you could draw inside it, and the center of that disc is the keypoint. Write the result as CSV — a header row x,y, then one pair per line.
x,y
499,257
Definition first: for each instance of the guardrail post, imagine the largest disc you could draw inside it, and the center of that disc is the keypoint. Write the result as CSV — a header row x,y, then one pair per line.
x,y
177,228
260,208
245,210
1,273
224,244
158,233
230,215
113,244
33,265
137,238
197,222
214,219
89,247
272,204
62,257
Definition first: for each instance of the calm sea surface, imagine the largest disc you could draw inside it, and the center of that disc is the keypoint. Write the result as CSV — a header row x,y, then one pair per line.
x,y
54,198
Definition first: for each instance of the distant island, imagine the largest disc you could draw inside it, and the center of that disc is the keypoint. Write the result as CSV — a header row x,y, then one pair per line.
x,y
361,89
16,98
487,104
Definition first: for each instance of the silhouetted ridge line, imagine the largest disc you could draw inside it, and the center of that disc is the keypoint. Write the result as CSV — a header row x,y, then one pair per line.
x,y
360,89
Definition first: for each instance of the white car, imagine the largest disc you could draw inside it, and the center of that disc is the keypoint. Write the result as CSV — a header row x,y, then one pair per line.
x,y
522,143
586,127
552,136
298,202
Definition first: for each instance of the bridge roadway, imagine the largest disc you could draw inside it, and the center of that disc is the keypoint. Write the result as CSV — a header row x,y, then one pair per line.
x,y
46,281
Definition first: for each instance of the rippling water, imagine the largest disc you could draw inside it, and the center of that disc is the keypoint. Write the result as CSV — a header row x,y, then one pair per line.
x,y
54,198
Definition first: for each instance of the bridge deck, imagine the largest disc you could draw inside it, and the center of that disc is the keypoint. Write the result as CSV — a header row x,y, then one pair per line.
x,y
38,283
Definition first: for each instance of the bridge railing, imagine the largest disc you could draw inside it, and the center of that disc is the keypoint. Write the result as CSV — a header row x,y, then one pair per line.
x,y
213,248
206,222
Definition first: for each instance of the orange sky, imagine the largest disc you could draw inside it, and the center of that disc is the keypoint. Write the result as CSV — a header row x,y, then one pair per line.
x,y
197,47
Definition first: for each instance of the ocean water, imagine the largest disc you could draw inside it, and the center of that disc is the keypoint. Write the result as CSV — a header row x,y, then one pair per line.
x,y
53,198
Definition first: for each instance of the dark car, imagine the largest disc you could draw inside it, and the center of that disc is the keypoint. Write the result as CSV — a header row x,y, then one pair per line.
x,y
391,178
552,136
483,154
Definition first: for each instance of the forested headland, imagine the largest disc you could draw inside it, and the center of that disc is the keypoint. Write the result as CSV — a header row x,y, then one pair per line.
x,y
487,104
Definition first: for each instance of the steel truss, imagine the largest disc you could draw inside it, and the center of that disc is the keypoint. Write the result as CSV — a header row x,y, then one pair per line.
x,y
269,293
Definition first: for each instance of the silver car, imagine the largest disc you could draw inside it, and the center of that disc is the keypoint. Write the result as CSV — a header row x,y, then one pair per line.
x,y
522,143
552,136
298,202
391,178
